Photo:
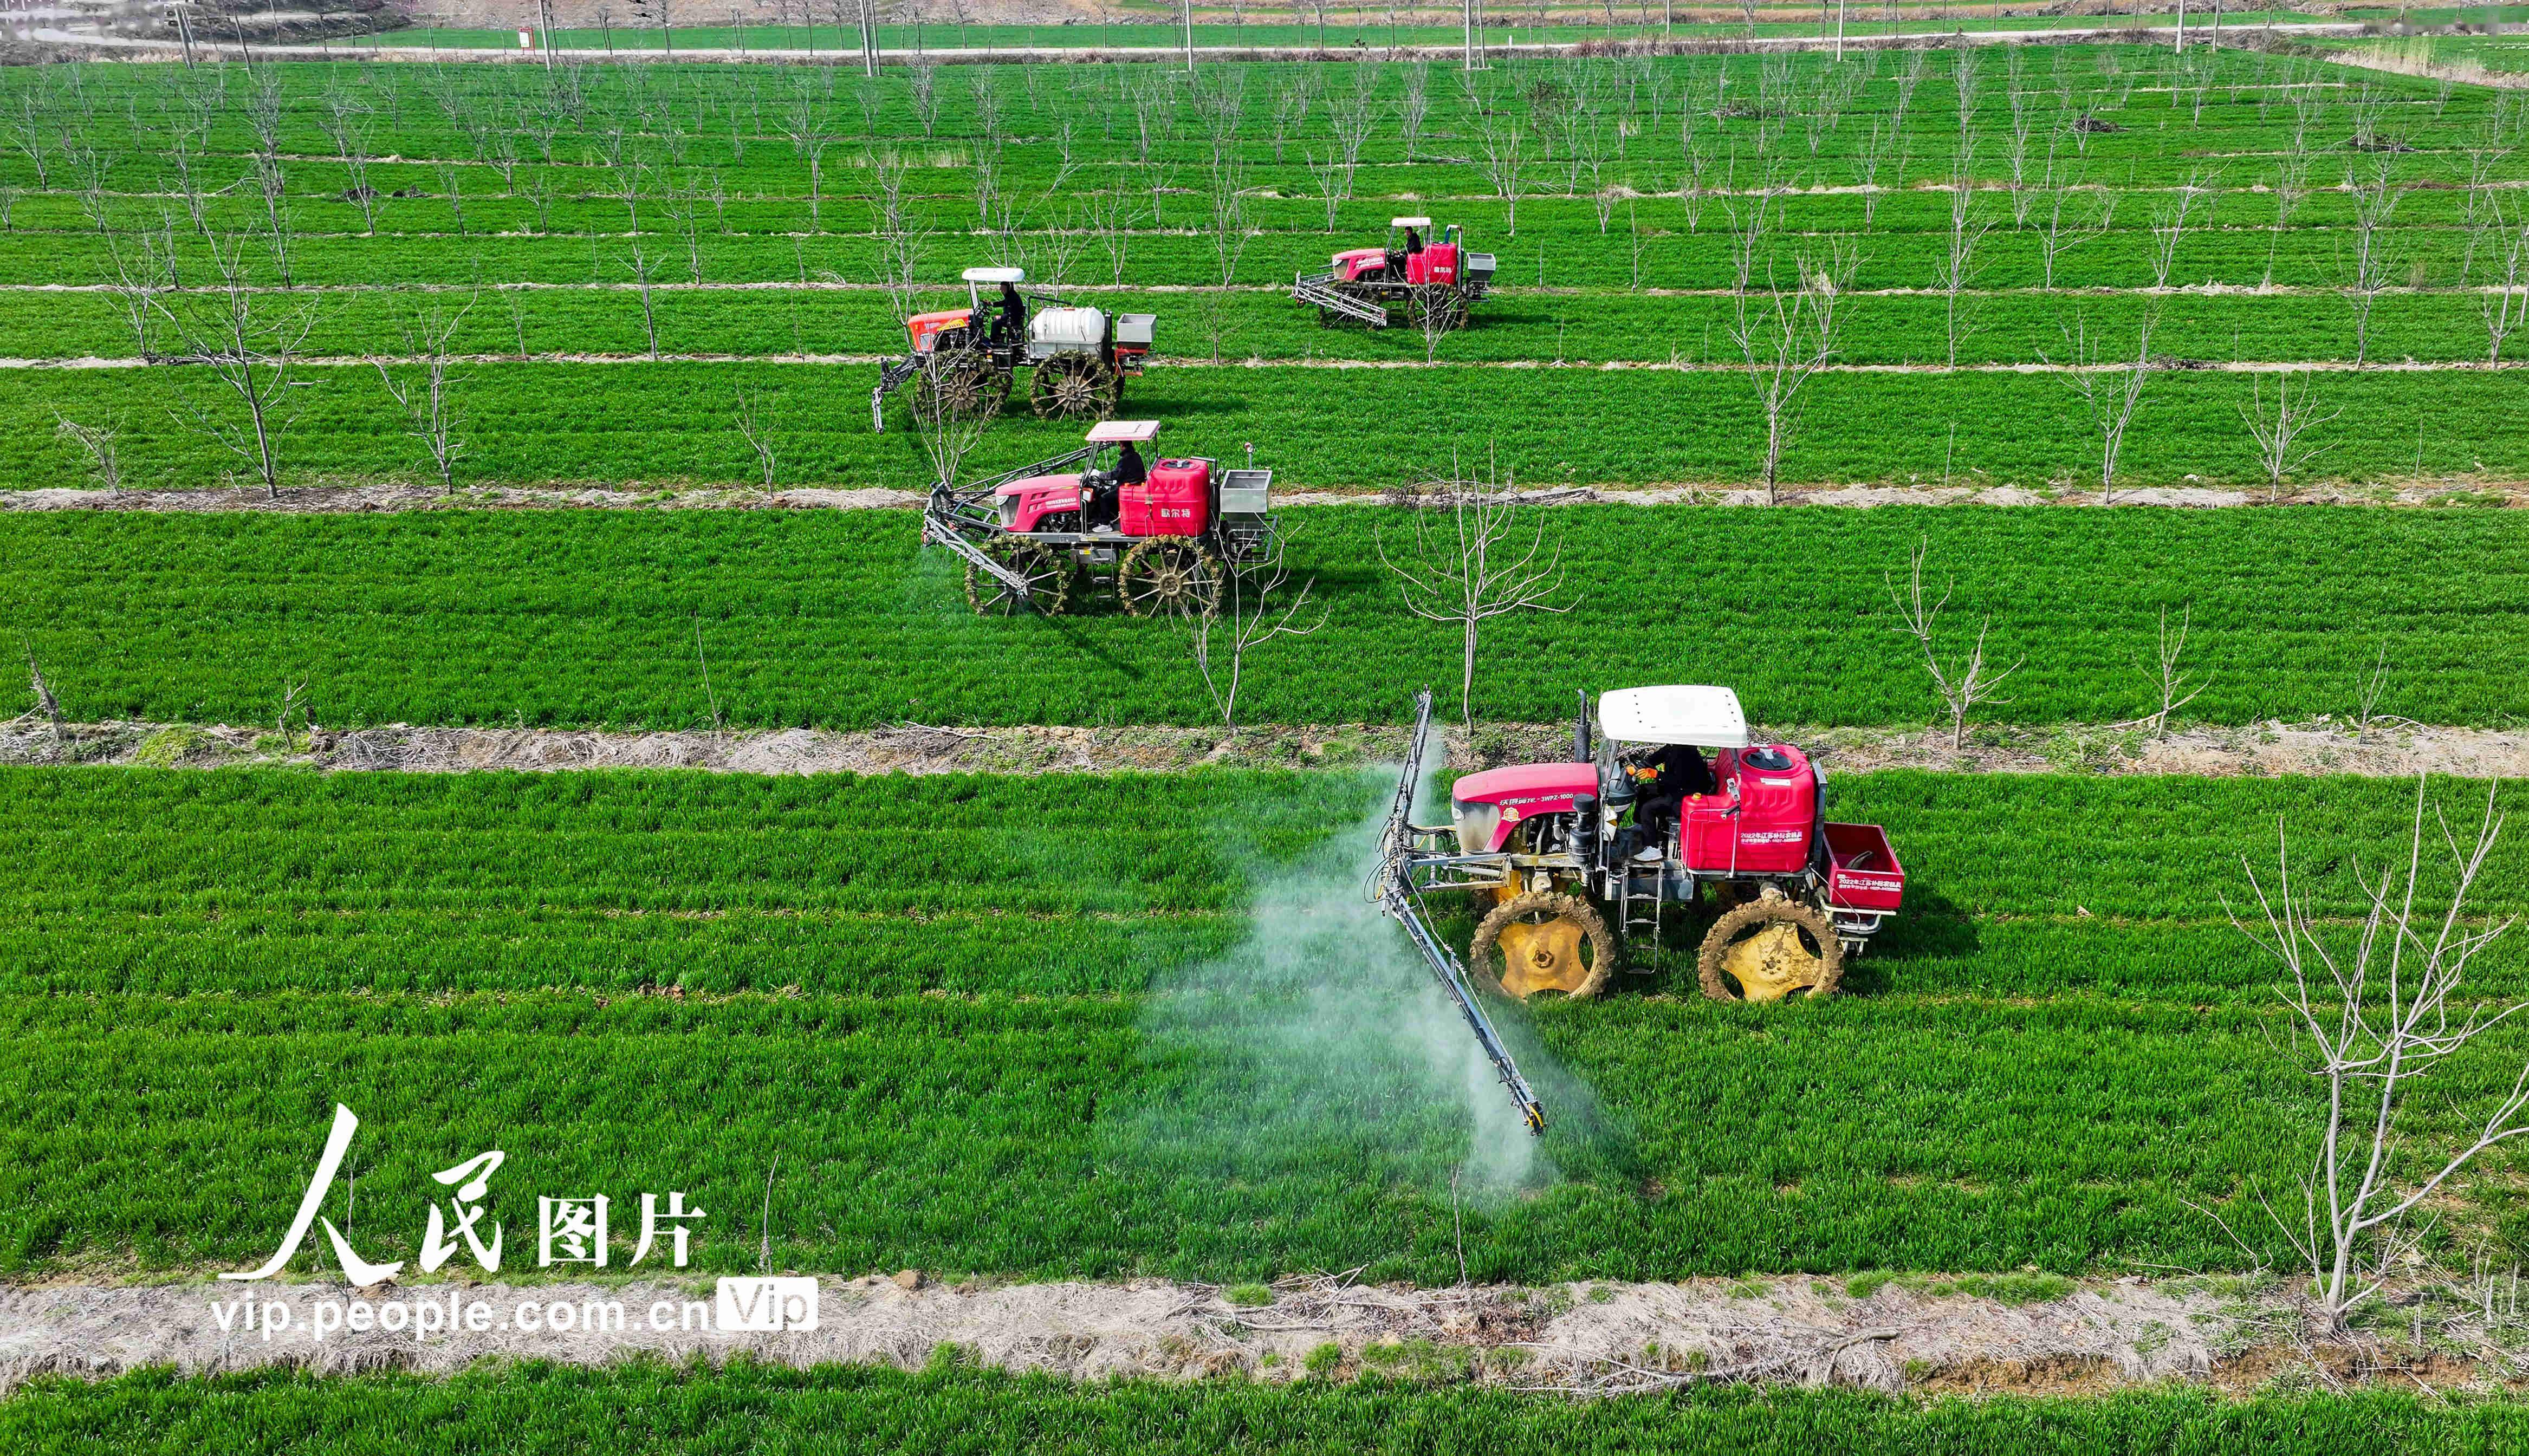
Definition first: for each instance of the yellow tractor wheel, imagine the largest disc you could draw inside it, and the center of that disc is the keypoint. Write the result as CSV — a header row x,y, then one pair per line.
x,y
1542,941
1770,949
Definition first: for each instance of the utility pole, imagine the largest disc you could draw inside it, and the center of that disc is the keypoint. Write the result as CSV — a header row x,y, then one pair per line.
x,y
1189,36
1471,35
1839,32
544,23
2180,43
183,32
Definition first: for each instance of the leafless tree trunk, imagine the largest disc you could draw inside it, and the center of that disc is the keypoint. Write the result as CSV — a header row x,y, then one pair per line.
x,y
1414,106
1503,141
249,339
1250,614
921,86
2280,450
2377,252
1960,685
1785,335
428,403
2110,392
350,121
1473,568
96,441
643,266
2175,689
945,435
46,702
2375,1008
2505,303
758,438
2168,224
1958,266
2054,238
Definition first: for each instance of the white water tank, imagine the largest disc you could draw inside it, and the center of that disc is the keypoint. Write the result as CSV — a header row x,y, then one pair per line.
x,y
1062,331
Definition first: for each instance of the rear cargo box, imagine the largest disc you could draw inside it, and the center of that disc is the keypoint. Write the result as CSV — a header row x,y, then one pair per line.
x,y
1865,872
1176,501
1133,332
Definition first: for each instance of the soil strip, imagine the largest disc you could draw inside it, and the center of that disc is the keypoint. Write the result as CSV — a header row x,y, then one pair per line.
x,y
1600,1338
2393,748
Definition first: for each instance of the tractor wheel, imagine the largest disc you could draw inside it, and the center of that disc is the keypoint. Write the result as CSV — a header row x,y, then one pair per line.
x,y
1047,575
1072,387
1544,941
961,388
1171,577
1769,948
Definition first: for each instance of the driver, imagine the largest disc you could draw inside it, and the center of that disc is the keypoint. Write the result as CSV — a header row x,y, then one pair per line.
x,y
1009,324
1106,488
1662,780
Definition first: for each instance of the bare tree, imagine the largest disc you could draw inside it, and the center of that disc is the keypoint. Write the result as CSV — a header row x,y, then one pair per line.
x,y
249,339
1436,310
2376,252
352,122
429,401
2168,223
2280,450
946,434
1111,214
921,86
1473,568
2374,1007
1785,335
1413,106
2368,689
46,702
1502,160
643,266
2175,689
2054,238
757,438
1957,269
2505,304
96,443
2111,391
1960,685
1250,613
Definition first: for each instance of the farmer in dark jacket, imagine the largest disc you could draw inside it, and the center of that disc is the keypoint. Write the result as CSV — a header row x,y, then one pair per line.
x,y
1663,781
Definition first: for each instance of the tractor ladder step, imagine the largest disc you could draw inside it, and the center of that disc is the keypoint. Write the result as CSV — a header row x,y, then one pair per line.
x,y
1320,289
1637,900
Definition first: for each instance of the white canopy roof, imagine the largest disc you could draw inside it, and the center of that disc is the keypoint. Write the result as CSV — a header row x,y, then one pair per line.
x,y
1118,431
995,275
1409,222
1700,717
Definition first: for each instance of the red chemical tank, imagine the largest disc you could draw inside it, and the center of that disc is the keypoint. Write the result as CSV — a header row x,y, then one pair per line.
x,y
1765,828
1176,501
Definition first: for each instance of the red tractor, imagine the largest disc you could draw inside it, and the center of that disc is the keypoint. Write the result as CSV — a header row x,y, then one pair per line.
x,y
963,359
1433,280
1625,831
1166,530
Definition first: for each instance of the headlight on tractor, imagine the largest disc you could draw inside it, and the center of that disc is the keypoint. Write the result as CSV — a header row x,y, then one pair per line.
x,y
1477,826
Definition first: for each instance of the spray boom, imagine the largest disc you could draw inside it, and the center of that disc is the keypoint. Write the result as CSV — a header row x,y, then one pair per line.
x,y
1397,894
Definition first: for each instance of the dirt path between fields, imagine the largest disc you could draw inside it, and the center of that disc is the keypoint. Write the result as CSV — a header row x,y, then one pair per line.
x,y
1590,1337
2257,750
390,497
